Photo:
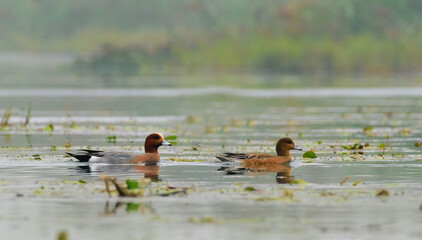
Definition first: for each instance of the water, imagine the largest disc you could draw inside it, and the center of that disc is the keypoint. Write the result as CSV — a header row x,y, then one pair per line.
x,y
41,195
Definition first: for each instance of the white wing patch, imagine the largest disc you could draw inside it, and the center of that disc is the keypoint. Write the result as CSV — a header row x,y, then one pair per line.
x,y
94,159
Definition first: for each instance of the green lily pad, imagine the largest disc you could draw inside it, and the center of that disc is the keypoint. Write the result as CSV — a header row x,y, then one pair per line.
x,y
249,189
111,139
172,137
309,154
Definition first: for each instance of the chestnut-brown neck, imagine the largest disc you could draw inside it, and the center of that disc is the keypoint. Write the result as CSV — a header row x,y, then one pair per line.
x,y
282,150
150,148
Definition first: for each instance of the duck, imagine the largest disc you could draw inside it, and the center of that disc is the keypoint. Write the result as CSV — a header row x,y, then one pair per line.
x,y
151,156
255,160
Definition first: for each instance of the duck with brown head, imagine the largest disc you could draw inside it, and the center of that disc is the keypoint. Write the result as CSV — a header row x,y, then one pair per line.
x,y
151,156
283,147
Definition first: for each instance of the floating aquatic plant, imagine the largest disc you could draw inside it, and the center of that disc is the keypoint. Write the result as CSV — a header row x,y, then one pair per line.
x,y
172,139
309,154
174,159
111,139
193,119
249,189
62,236
202,220
298,181
132,184
49,128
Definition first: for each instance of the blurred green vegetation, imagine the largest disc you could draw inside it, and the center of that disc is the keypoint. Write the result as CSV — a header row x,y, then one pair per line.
x,y
289,36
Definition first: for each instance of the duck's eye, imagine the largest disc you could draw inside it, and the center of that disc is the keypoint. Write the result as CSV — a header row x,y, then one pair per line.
x,y
289,141
157,137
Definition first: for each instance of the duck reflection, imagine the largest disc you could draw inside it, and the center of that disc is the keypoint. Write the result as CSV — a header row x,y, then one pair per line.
x,y
282,177
151,171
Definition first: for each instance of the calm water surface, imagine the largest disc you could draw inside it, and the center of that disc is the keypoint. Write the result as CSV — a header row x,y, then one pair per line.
x,y
40,196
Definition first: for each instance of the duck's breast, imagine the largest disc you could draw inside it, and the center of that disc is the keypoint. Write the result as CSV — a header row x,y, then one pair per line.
x,y
148,158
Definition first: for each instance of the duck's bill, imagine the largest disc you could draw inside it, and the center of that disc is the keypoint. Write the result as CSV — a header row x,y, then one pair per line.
x,y
297,148
165,143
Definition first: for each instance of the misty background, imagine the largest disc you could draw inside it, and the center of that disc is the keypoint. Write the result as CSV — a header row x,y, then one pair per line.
x,y
194,43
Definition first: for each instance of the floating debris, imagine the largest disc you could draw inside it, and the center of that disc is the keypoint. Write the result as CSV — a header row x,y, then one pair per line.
x,y
383,192
202,220
344,180
137,188
404,132
368,130
357,182
62,236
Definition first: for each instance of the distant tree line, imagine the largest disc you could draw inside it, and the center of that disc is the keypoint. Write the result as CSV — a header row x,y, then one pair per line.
x,y
138,36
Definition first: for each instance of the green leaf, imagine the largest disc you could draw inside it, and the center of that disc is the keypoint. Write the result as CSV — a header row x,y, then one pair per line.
x,y
172,137
298,181
309,154
172,143
131,207
111,139
80,181
249,189
356,145
382,145
132,184
347,147
49,128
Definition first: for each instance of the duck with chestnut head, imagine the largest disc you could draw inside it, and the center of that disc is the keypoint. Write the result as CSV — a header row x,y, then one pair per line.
x,y
151,156
254,160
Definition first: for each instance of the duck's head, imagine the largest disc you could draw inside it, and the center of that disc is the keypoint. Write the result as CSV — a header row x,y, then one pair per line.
x,y
284,145
153,141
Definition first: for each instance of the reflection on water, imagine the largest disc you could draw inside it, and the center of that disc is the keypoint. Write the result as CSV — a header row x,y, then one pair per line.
x,y
282,177
150,172
52,197
129,207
